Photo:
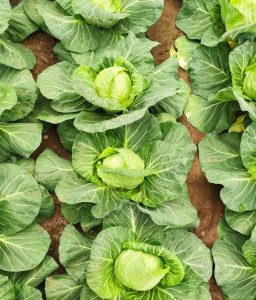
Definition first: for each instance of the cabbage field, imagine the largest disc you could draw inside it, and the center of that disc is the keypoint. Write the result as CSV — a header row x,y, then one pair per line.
x,y
128,149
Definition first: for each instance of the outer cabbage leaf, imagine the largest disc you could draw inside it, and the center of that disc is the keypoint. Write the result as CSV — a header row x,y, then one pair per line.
x,y
20,25
241,222
5,15
25,88
75,252
7,291
138,222
232,272
24,250
75,34
220,160
209,70
50,168
35,276
59,287
19,138
20,199
47,207
211,115
16,55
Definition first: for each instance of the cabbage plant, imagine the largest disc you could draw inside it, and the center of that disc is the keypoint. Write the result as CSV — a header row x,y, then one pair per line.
x,y
229,87
132,163
218,21
229,160
82,26
114,88
139,260
234,257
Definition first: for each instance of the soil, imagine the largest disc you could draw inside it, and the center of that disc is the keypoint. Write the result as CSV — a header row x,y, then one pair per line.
x,y
204,196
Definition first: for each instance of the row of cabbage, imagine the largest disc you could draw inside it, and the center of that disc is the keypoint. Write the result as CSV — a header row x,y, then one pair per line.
x,y
124,189
219,53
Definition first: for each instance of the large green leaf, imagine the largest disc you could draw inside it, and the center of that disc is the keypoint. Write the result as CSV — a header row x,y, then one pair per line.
x,y
74,190
220,160
29,293
74,33
20,199
74,250
47,207
100,275
19,138
141,15
44,112
67,133
24,250
208,116
178,213
62,287
191,251
55,84
100,122
209,70
8,97
30,7
7,291
20,25
5,15
80,212
194,18
164,84
234,275
138,222
242,222
25,88
136,135
175,105
51,168
16,55
35,276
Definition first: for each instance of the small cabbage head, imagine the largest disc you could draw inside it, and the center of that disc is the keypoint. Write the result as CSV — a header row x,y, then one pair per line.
x,y
237,13
120,169
108,5
114,82
138,270
249,82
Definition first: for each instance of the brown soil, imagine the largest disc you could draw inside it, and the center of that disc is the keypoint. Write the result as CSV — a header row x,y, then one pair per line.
x,y
204,196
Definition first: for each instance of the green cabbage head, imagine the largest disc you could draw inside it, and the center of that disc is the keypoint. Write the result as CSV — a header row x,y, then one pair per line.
x,y
237,13
108,5
138,270
249,82
114,82
113,85
121,168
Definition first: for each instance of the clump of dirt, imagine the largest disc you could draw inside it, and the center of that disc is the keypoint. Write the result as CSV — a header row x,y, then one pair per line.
x,y
204,196
42,45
